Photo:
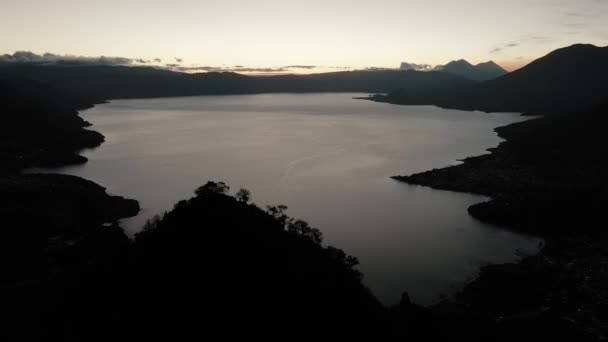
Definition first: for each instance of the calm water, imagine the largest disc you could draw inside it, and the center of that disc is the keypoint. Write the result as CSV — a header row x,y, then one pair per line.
x,y
329,158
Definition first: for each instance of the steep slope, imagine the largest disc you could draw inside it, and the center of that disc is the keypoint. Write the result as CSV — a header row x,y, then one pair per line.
x,y
490,70
566,80
214,265
241,266
40,126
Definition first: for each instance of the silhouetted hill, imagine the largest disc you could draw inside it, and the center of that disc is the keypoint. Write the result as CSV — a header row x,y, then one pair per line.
x,y
547,178
249,272
51,224
480,72
40,125
38,209
100,83
54,240
460,65
546,163
490,66
568,79
215,264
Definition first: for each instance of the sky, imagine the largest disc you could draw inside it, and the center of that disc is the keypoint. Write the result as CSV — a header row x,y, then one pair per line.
x,y
327,34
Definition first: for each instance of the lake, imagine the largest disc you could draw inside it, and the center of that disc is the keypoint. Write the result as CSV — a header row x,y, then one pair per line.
x,y
329,158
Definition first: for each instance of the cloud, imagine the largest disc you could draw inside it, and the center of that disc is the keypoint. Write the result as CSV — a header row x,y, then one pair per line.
x,y
504,47
242,68
603,34
192,68
525,40
237,68
376,69
414,66
574,25
576,14
578,19
584,15
300,66
257,70
264,70
28,57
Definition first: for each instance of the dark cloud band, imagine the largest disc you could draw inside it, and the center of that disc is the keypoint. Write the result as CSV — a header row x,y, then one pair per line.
x,y
50,58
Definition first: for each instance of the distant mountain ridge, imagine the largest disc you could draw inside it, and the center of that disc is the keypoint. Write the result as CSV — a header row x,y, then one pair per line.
x,y
100,83
480,72
566,80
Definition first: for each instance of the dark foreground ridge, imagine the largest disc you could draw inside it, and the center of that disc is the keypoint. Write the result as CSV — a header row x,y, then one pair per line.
x,y
249,272
214,264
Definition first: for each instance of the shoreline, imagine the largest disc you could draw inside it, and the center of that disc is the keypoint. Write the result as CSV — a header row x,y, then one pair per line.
x,y
473,273
533,191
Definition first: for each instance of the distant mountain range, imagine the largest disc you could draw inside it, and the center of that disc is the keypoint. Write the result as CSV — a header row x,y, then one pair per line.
x,y
101,83
565,80
480,72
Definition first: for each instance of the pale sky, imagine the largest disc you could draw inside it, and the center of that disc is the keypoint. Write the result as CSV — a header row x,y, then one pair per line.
x,y
357,34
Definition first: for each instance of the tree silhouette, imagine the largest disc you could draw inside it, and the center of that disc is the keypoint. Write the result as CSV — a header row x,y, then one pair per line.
x,y
152,223
219,188
303,229
278,212
243,195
